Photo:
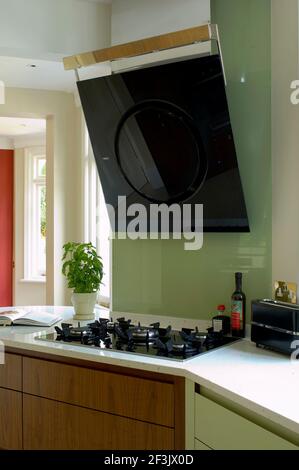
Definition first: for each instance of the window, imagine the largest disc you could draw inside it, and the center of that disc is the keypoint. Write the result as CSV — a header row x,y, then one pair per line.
x,y
96,220
35,224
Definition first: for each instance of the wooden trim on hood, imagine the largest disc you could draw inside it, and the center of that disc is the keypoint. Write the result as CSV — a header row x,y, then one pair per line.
x,y
162,42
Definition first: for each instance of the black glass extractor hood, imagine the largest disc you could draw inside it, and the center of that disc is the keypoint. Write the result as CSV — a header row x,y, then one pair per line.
x,y
162,134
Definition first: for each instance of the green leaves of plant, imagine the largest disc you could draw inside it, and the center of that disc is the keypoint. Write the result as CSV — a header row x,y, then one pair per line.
x,y
82,267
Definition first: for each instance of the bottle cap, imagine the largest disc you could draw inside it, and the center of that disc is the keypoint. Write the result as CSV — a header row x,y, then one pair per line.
x,y
221,308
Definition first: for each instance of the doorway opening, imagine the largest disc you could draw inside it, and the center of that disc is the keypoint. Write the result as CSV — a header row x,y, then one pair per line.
x,y
23,208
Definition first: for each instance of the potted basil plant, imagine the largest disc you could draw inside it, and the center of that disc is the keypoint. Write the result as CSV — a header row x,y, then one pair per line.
x,y
83,269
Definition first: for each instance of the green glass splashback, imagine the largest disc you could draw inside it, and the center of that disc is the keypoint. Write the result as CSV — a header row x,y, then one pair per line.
x,y
159,277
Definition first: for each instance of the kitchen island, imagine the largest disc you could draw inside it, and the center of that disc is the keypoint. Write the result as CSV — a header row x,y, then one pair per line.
x,y
55,395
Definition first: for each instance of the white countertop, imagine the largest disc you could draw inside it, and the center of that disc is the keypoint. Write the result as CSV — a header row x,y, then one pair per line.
x,y
264,382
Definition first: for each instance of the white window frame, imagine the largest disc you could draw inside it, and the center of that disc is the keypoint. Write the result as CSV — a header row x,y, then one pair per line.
x,y
31,214
93,206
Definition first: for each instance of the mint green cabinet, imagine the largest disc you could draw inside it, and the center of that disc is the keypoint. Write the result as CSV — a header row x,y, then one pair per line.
x,y
200,446
221,429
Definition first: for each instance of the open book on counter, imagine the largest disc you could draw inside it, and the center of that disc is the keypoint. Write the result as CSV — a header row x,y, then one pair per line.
x,y
16,316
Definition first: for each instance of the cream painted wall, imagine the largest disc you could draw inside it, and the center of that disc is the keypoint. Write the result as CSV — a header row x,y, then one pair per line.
x,y
64,181
285,141
6,143
135,19
32,140
25,293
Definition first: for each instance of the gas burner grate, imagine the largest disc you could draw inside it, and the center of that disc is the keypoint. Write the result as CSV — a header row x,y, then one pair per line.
x,y
152,340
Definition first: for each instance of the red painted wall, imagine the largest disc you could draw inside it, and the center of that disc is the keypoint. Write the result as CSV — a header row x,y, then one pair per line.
x,y
6,226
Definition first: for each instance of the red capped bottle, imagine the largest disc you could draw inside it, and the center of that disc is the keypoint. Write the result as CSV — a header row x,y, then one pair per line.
x,y
221,323
238,312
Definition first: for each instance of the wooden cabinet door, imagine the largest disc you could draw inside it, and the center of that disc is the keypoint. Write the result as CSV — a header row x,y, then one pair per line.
x,y
11,372
51,425
10,420
132,397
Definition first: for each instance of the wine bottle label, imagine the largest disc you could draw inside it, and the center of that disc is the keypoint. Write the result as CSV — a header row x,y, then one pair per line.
x,y
237,314
217,326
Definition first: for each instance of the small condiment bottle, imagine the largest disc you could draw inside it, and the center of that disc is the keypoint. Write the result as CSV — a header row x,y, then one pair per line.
x,y
221,323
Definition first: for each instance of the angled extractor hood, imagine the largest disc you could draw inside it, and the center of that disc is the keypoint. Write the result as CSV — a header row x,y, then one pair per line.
x,y
162,134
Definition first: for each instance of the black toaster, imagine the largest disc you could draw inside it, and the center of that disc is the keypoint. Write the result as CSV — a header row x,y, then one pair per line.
x,y
275,325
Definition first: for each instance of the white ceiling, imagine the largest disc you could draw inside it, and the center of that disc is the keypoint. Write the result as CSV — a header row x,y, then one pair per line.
x,y
13,127
17,72
57,29
47,75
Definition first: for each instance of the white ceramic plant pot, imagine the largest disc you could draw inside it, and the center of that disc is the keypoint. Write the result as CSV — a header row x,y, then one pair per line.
x,y
84,305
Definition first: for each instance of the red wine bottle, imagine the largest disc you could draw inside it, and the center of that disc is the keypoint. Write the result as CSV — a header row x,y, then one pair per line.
x,y
238,313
